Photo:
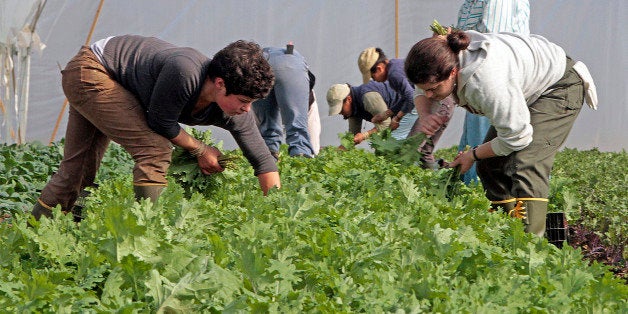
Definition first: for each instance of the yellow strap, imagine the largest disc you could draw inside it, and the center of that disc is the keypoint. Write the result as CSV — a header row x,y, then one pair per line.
x,y
532,199
44,204
504,201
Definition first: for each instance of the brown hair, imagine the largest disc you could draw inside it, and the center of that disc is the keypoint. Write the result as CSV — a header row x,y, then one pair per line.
x,y
432,59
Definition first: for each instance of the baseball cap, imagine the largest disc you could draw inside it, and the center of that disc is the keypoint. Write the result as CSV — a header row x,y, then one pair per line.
x,y
366,61
335,95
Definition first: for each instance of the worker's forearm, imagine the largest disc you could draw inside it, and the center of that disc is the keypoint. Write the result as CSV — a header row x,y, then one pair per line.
x,y
185,140
269,180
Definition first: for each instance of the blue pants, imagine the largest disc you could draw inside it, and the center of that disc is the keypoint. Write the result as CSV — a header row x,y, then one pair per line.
x,y
405,125
287,104
473,133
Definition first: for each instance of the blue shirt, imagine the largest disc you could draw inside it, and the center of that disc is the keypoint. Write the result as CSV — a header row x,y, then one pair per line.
x,y
391,98
399,83
492,16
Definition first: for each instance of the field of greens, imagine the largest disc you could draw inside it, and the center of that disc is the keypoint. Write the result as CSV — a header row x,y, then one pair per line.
x,y
349,231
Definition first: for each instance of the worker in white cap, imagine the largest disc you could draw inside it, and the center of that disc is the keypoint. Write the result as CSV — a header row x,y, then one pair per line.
x,y
374,64
362,103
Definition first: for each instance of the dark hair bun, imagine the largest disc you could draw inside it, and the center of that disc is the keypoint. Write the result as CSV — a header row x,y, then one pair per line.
x,y
458,41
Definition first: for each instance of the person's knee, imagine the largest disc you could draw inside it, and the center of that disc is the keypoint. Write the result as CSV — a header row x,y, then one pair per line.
x,y
152,168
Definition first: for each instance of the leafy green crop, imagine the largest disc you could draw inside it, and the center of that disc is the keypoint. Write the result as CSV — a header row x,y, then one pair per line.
x,y
404,151
25,169
347,232
346,140
184,168
590,186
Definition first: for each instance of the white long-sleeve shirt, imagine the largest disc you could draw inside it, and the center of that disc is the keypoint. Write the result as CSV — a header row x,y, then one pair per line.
x,y
492,16
501,75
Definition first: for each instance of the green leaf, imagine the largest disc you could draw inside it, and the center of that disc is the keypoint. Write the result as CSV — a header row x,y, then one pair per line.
x,y
437,28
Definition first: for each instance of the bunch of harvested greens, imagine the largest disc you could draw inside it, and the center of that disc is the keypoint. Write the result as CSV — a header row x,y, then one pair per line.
x,y
437,28
184,166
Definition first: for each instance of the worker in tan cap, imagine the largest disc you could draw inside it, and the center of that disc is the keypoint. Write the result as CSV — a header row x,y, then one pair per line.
x,y
361,103
374,64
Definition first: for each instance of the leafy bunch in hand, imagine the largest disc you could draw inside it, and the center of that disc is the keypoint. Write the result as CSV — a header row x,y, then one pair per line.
x,y
405,151
184,167
346,140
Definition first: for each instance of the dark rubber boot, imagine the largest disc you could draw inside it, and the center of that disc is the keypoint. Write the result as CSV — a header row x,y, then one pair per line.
x,y
150,192
39,209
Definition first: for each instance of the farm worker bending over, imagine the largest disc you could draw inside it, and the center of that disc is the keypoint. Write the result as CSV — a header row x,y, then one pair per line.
x,y
135,91
287,103
358,103
530,91
488,16
373,63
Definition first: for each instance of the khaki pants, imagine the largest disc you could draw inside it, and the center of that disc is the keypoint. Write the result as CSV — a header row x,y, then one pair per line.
x,y
525,173
102,110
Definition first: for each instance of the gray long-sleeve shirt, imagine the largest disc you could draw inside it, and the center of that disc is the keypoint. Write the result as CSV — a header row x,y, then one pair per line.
x,y
167,80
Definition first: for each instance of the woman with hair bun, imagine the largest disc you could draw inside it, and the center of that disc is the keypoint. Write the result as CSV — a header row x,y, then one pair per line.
x,y
531,92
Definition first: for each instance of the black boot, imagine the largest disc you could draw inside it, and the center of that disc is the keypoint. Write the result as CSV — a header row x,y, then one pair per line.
x,y
41,209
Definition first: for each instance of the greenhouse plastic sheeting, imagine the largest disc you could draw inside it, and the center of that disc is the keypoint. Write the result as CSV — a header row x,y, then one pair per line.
x,y
331,34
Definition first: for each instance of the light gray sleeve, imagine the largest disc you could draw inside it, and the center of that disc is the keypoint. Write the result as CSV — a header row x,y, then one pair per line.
x,y
374,103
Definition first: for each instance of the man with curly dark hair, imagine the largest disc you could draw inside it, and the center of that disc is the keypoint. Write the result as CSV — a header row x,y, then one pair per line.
x,y
135,91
